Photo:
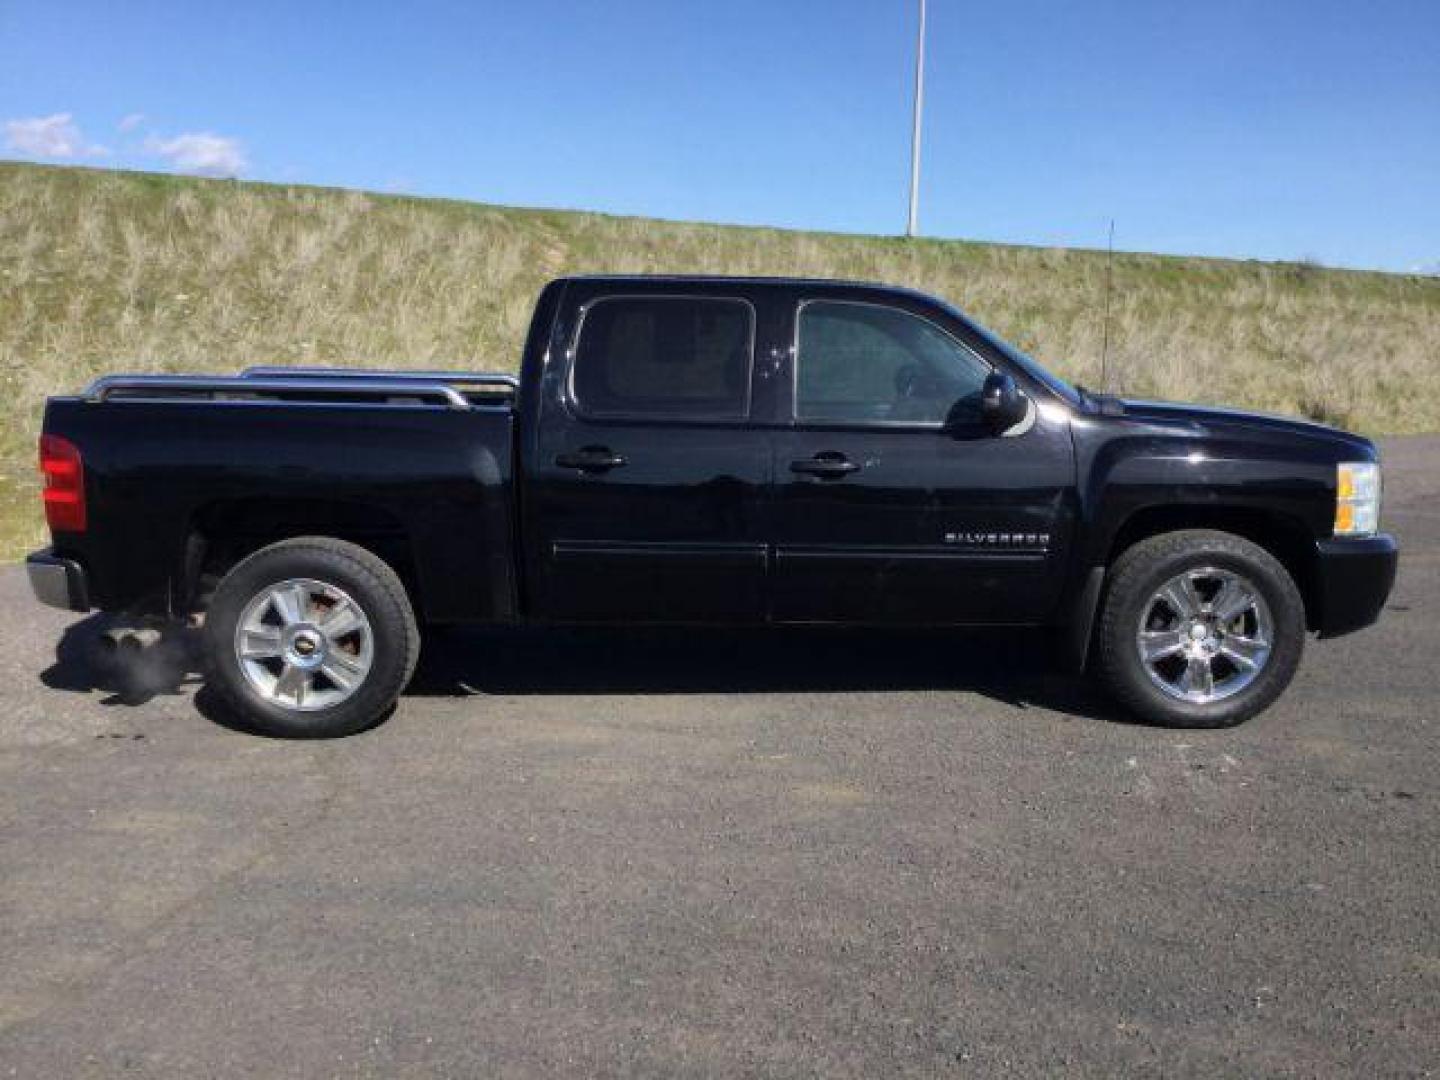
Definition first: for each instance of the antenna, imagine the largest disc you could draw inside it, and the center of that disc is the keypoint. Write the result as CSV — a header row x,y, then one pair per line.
x,y
1105,343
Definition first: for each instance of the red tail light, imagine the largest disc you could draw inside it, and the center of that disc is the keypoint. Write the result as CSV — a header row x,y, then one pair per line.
x,y
64,484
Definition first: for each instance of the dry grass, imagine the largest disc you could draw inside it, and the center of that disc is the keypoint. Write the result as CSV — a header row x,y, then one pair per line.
x,y
108,271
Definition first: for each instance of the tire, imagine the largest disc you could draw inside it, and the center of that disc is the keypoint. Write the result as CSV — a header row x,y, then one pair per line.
x,y
328,635
1170,596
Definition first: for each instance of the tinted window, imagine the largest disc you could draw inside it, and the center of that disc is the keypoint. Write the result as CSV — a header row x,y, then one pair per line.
x,y
664,356
863,362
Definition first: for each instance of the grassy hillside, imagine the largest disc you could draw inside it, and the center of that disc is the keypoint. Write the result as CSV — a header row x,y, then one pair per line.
x,y
108,271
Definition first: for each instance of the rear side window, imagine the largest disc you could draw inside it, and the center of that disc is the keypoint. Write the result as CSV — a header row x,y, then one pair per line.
x,y
664,356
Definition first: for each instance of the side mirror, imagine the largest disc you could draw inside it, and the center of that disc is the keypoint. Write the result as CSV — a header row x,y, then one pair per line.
x,y
1002,405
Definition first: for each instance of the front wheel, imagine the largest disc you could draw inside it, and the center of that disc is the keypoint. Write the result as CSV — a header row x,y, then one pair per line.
x,y
310,638
1200,629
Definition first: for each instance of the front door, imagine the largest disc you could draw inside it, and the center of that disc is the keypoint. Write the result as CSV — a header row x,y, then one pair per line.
x,y
646,480
893,503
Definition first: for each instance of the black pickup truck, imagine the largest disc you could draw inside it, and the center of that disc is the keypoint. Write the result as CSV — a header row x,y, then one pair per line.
x,y
708,450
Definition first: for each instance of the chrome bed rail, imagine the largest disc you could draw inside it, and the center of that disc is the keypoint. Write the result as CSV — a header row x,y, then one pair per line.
x,y
233,388
480,381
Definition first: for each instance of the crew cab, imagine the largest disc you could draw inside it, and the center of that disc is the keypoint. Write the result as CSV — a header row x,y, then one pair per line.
x,y
708,450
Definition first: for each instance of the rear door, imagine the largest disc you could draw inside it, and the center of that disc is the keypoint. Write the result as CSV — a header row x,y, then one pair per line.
x,y
893,503
645,476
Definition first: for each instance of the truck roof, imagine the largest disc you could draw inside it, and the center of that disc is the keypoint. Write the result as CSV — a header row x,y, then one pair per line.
x,y
741,279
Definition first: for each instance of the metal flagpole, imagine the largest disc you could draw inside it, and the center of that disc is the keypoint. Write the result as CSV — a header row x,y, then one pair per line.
x,y
912,225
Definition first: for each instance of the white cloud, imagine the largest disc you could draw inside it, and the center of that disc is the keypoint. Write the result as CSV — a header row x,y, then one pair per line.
x,y
130,121
56,136
200,152
1433,269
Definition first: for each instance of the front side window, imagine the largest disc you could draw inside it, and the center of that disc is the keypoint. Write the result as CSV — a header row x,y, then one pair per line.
x,y
864,363
664,356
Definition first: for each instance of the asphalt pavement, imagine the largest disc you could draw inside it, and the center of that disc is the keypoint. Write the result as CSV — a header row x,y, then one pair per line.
x,y
646,853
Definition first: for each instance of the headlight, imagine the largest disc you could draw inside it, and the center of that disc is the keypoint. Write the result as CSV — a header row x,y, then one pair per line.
x,y
1357,499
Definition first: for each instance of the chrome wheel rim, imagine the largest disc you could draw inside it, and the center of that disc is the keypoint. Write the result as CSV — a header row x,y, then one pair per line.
x,y
304,645
1205,635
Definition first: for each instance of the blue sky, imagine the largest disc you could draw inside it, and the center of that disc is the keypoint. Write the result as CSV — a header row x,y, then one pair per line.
x,y
1266,128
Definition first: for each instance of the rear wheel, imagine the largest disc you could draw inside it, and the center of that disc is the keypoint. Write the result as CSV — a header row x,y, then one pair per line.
x,y
1200,629
311,638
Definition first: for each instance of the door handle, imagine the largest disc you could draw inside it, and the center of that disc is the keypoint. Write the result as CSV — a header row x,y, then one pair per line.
x,y
590,459
827,466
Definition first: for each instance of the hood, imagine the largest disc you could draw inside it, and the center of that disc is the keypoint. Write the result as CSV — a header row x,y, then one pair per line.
x,y
1166,412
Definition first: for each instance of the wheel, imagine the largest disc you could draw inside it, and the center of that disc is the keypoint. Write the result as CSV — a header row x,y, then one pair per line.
x,y
310,638
1199,629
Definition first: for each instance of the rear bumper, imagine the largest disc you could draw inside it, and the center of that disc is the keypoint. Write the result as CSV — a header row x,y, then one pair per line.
x,y
58,582
1353,579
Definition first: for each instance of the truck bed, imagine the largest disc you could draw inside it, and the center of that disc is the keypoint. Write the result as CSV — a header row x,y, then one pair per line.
x,y
198,460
